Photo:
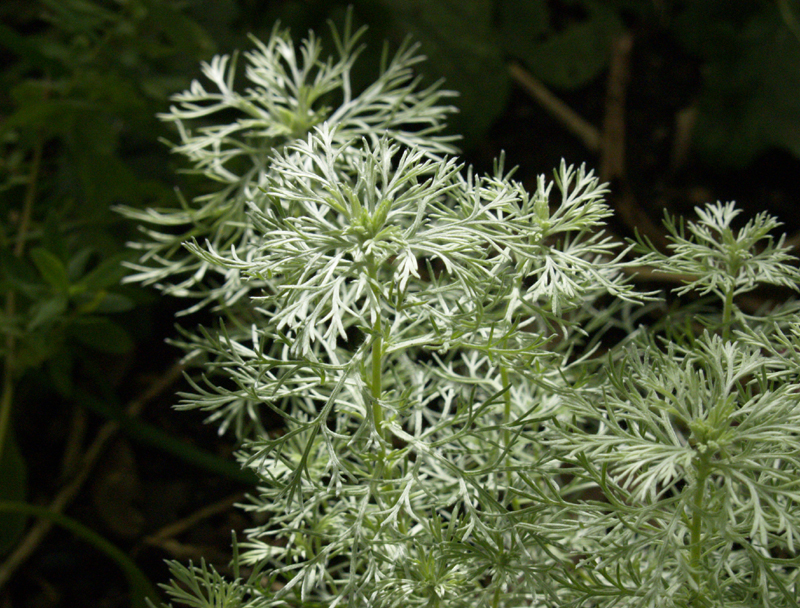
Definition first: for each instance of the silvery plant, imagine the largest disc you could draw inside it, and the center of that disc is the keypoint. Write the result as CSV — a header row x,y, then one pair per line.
x,y
449,386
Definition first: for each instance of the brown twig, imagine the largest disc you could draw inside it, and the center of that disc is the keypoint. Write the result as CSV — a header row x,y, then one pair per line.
x,y
68,492
612,151
612,145
685,121
574,123
189,552
182,525
75,439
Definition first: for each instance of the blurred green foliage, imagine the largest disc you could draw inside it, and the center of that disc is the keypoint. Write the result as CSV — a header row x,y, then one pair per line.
x,y
78,133
750,98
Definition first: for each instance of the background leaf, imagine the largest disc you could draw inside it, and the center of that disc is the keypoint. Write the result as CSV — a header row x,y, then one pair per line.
x,y
458,39
565,58
101,334
51,268
45,312
750,100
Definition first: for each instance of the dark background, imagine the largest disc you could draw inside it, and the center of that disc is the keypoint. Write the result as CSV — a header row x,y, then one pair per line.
x,y
685,103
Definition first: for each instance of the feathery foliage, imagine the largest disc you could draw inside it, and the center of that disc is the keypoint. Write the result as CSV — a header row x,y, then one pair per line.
x,y
457,424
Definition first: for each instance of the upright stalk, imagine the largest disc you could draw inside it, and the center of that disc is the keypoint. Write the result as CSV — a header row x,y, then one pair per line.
x,y
727,314
377,387
507,405
496,598
376,356
696,525
506,416
7,399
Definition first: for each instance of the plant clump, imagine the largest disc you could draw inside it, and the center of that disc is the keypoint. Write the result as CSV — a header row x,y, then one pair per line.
x,y
458,424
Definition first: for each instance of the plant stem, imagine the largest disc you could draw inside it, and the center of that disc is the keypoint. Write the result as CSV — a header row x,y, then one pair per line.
x,y
496,598
506,408
141,588
727,314
376,355
696,525
8,388
506,432
377,347
7,399
506,420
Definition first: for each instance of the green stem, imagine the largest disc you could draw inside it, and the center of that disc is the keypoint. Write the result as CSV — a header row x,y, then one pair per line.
x,y
7,399
154,436
376,354
506,408
506,432
496,598
377,387
8,389
141,588
727,315
696,526
506,420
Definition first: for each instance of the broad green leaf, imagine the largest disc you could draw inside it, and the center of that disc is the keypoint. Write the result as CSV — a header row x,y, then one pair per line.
x,y
60,368
572,57
522,24
28,51
106,274
76,267
104,177
47,311
158,438
183,32
107,303
101,334
461,47
54,237
713,28
82,16
92,302
750,99
51,268
15,272
34,110
36,347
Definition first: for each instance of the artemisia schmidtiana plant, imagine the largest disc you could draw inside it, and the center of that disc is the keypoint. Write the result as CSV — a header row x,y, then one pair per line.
x,y
424,365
